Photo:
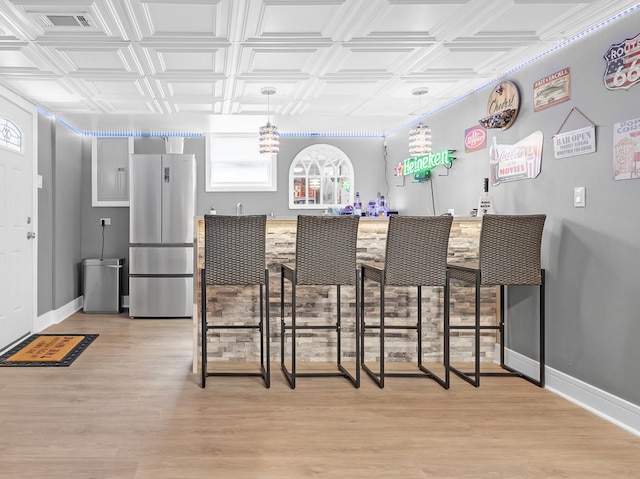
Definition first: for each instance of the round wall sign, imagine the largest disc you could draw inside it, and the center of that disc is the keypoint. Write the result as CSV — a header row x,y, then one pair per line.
x,y
503,106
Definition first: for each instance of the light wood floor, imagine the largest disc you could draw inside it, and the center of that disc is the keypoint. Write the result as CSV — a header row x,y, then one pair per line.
x,y
129,407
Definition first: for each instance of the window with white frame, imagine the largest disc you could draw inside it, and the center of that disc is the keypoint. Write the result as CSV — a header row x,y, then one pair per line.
x,y
320,176
234,164
10,135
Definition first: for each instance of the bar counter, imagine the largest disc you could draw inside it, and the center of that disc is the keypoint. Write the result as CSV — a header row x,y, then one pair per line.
x,y
233,302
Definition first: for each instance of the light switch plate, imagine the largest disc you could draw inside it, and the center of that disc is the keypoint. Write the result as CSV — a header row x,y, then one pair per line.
x,y
579,197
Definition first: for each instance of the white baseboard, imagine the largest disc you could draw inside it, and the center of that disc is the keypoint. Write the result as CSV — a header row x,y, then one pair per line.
x,y
56,316
125,301
616,410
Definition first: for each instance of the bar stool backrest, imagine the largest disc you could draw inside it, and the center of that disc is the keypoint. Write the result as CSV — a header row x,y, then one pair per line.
x,y
326,250
416,250
509,249
234,249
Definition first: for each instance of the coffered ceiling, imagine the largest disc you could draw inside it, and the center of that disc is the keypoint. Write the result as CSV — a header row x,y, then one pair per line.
x,y
337,65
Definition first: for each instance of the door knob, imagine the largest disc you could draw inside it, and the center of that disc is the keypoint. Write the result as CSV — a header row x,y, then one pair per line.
x,y
31,235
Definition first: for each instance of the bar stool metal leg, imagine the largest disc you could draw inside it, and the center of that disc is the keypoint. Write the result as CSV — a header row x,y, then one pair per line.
x,y
203,329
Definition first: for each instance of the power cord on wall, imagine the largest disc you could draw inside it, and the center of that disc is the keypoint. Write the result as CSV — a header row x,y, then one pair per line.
x,y
433,200
386,180
102,248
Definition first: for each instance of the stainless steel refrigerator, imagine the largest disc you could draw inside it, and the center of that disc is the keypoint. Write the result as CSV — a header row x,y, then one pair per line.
x,y
161,221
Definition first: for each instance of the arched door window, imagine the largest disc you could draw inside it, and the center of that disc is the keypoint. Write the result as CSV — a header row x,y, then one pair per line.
x,y
10,135
320,177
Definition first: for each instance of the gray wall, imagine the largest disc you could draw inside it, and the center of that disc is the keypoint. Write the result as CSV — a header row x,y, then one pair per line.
x,y
46,131
60,156
116,236
592,254
67,163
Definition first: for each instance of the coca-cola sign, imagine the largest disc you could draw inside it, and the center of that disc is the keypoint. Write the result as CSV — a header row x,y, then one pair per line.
x,y
516,162
475,138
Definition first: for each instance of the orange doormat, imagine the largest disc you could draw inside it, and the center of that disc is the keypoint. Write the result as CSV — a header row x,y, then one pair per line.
x,y
47,350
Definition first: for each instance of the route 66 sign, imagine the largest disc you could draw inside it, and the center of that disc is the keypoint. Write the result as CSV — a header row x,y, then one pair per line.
x,y
623,69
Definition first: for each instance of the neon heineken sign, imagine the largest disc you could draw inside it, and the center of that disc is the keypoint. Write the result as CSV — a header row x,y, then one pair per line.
x,y
420,166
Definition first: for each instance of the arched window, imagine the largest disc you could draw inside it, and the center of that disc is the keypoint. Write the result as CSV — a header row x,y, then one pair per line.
x,y
10,135
320,176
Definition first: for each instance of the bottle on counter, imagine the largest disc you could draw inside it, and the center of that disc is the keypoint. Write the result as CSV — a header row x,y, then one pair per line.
x,y
212,211
382,207
372,209
485,203
357,205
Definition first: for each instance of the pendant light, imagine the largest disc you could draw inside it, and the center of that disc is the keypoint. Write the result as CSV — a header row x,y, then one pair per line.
x,y
269,137
420,135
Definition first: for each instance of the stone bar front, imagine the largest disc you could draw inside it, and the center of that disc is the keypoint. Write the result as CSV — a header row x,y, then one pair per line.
x,y
316,304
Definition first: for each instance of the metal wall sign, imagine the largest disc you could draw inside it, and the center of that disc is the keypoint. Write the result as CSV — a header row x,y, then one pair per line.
x,y
516,162
475,138
574,142
552,89
626,150
623,69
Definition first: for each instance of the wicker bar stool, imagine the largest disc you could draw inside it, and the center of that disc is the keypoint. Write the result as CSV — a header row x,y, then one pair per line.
x,y
415,255
235,255
325,255
509,254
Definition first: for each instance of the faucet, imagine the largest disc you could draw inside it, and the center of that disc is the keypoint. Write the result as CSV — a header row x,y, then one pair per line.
x,y
239,209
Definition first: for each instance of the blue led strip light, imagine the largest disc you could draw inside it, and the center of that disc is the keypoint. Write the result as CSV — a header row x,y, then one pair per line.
x,y
333,135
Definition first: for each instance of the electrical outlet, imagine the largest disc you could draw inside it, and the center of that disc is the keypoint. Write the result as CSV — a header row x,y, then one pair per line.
x,y
105,221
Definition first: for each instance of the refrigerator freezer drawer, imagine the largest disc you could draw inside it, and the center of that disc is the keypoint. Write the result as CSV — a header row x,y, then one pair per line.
x,y
160,297
161,260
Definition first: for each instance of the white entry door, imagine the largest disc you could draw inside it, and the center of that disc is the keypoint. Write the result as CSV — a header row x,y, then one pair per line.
x,y
17,222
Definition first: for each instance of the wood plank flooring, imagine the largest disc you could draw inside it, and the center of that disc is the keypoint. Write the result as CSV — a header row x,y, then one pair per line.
x,y
129,407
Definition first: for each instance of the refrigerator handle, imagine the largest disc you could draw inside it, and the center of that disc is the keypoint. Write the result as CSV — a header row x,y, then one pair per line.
x,y
166,175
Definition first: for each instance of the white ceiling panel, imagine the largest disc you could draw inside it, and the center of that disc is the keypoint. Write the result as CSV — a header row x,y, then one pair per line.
x,y
118,88
195,107
348,89
91,60
282,60
414,17
532,17
193,18
335,64
132,107
50,91
311,18
379,59
10,59
180,60
189,88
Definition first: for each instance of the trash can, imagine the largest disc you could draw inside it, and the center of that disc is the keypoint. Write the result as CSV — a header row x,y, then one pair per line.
x,y
101,284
